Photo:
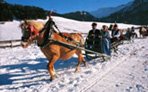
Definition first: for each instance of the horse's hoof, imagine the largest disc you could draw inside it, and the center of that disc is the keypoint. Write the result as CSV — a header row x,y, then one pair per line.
x,y
51,79
54,77
86,64
77,70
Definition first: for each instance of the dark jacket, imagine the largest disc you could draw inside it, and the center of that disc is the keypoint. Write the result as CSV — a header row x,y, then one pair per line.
x,y
94,34
94,39
115,33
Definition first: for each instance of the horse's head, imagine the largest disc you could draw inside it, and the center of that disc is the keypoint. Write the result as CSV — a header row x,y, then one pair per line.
x,y
30,30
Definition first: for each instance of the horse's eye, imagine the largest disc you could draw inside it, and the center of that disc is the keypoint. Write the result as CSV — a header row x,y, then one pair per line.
x,y
33,33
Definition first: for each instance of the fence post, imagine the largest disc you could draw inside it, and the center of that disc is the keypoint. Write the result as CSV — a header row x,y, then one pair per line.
x,y
11,43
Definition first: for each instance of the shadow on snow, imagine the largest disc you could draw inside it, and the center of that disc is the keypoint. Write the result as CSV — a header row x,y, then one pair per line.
x,y
25,72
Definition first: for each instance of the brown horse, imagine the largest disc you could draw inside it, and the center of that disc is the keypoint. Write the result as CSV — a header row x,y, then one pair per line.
x,y
143,32
52,50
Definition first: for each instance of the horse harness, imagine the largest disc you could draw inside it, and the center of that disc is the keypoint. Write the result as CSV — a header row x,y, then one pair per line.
x,y
52,41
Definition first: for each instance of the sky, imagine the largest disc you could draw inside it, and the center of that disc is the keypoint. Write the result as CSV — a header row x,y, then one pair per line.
x,y
65,6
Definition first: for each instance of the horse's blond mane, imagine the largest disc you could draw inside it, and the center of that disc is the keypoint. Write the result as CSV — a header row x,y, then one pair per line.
x,y
37,24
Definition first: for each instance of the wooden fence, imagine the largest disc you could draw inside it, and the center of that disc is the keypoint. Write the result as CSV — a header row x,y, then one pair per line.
x,y
10,43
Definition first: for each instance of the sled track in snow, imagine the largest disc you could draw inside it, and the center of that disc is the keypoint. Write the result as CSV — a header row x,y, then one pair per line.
x,y
89,81
96,79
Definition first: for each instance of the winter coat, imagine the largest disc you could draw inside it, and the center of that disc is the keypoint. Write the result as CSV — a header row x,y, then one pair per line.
x,y
106,43
94,40
115,33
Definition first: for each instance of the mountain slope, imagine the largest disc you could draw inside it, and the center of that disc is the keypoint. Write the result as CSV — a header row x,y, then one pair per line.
x,y
104,12
135,14
80,15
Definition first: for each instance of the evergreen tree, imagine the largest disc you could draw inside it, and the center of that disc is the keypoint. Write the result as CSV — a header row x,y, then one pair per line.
x,y
2,1
10,12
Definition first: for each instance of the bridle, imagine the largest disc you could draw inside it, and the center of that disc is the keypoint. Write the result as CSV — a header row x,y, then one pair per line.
x,y
29,32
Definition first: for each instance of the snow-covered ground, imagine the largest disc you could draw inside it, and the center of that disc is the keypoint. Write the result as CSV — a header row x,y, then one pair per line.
x,y
25,70
10,31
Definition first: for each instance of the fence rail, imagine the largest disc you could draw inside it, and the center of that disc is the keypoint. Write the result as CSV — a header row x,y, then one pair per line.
x,y
10,43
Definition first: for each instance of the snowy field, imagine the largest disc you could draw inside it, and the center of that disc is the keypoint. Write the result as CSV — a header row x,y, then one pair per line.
x,y
25,70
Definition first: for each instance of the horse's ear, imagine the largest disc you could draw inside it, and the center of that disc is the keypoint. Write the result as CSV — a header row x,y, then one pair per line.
x,y
21,24
25,22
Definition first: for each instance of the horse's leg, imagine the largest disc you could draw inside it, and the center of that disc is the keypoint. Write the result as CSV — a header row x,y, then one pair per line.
x,y
136,35
51,66
83,60
80,60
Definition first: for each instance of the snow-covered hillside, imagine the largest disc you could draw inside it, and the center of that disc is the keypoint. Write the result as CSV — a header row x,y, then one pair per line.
x,y
11,30
25,70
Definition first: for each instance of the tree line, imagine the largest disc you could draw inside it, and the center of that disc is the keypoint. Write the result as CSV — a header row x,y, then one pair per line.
x,y
9,12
